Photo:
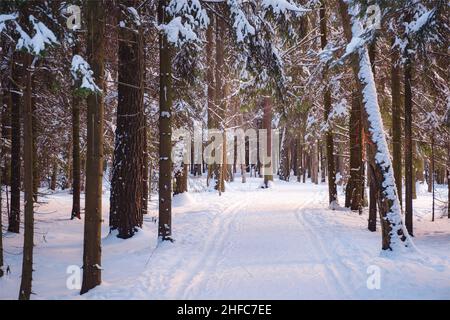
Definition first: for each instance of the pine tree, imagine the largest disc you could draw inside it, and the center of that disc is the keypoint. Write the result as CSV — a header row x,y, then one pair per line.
x,y
95,17
28,244
396,122
16,87
331,167
388,204
76,161
165,128
126,185
407,73
2,162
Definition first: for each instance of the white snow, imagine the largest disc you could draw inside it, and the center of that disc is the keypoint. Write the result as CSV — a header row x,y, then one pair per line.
x,y
281,6
376,129
80,68
36,43
249,243
6,17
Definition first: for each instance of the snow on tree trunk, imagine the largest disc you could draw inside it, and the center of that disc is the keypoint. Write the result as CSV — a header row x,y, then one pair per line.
x,y
394,233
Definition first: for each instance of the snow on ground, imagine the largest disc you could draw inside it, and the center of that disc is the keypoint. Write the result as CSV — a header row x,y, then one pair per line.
x,y
249,243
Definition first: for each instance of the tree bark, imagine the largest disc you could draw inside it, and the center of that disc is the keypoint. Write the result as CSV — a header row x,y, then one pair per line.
x,y
16,84
220,103
127,176
95,14
2,163
76,161
388,205
267,124
331,167
396,124
165,129
408,146
211,86
354,191
27,261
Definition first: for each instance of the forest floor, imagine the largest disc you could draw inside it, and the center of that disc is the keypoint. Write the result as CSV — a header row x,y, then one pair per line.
x,y
248,243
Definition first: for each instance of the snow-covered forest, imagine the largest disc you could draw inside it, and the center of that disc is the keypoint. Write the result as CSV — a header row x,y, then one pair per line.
x,y
224,149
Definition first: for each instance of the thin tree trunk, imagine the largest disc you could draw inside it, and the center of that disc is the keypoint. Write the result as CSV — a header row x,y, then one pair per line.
x,y
127,176
396,124
432,176
6,132
54,175
17,74
408,147
448,179
220,103
332,190
2,163
211,93
267,124
145,178
76,162
35,127
165,129
95,15
371,152
354,191
27,262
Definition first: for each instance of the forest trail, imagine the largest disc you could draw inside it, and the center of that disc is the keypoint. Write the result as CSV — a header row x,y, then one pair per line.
x,y
280,243
249,243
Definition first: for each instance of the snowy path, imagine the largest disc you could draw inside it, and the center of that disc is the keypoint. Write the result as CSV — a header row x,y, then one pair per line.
x,y
257,244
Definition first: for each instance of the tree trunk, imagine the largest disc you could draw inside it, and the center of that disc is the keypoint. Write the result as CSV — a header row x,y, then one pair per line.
x,y
267,124
76,161
95,15
6,132
17,74
331,167
408,147
371,152
2,163
432,175
127,176
54,175
165,129
396,124
35,127
27,261
220,103
145,177
284,171
388,205
211,93
354,191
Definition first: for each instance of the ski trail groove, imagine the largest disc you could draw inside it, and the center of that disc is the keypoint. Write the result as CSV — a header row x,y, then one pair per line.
x,y
214,243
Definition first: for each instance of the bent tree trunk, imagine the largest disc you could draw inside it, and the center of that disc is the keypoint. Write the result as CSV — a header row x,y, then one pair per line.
x,y
388,203
95,11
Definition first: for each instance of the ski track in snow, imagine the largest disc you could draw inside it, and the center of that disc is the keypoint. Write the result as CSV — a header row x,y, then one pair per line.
x,y
249,243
